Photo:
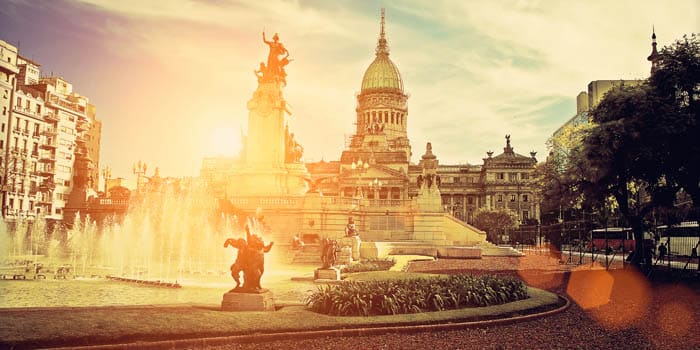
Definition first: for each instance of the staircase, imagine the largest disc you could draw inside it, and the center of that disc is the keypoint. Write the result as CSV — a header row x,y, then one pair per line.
x,y
308,254
490,249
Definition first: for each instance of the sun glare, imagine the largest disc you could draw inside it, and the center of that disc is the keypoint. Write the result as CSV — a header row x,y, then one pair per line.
x,y
223,141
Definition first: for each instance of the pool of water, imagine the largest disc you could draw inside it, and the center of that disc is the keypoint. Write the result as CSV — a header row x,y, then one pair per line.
x,y
104,292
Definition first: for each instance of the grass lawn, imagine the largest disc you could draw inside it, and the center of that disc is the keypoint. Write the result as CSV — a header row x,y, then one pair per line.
x,y
109,325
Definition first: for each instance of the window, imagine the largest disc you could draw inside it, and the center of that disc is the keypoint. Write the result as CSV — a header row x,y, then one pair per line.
x,y
38,109
513,177
470,200
500,176
4,112
499,198
524,176
512,198
525,198
456,179
526,215
2,144
4,95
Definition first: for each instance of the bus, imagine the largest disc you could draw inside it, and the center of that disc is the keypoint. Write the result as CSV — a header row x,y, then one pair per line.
x,y
680,239
618,238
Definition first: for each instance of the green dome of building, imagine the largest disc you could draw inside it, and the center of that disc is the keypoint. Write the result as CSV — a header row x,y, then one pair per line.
x,y
382,72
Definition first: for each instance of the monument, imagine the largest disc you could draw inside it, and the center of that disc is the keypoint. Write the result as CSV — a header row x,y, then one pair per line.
x,y
373,200
329,251
251,262
271,159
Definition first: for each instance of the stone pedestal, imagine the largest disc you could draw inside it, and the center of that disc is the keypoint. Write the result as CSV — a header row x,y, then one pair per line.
x,y
237,301
344,257
327,274
354,243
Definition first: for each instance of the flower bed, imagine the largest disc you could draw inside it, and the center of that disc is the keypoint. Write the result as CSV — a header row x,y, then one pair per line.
x,y
376,264
368,298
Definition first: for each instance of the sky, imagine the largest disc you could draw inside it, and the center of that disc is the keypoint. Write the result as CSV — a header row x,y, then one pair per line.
x,y
171,79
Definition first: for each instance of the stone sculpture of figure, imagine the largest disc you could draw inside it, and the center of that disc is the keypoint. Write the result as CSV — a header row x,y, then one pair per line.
x,y
329,248
275,66
260,72
350,230
292,149
420,181
250,261
437,181
429,178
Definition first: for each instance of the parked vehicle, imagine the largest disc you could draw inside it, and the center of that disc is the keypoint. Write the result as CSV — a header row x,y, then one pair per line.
x,y
680,239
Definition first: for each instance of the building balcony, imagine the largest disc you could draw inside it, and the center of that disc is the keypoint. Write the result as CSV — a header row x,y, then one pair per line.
x,y
17,130
82,126
49,132
47,186
49,145
51,118
46,171
35,155
47,158
9,67
80,140
36,135
14,150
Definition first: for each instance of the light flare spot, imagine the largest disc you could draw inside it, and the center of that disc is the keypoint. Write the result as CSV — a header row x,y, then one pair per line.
x,y
590,288
675,317
630,298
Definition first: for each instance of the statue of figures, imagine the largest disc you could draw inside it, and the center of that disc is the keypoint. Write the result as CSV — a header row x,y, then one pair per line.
x,y
437,181
420,181
329,249
275,64
430,180
250,261
350,230
260,72
292,149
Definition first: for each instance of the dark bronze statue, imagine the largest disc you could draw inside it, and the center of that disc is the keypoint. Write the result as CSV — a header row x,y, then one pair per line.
x,y
329,248
350,229
250,261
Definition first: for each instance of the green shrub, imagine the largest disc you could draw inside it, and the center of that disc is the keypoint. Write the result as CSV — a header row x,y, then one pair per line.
x,y
371,264
366,298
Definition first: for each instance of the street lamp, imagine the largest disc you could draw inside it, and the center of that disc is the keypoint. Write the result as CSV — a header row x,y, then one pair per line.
x,y
139,169
106,174
374,186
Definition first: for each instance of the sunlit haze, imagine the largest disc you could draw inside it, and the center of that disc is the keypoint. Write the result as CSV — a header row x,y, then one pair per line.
x,y
171,79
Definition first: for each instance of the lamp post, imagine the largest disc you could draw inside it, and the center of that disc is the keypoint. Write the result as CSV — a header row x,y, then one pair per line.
x,y
360,167
139,169
374,186
106,175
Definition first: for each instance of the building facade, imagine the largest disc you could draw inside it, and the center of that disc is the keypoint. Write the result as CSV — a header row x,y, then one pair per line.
x,y
377,163
49,143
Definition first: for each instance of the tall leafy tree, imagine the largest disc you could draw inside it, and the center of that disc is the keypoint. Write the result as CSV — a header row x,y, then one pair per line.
x,y
495,221
644,146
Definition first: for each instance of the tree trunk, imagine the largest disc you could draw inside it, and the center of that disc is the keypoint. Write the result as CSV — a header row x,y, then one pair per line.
x,y
639,255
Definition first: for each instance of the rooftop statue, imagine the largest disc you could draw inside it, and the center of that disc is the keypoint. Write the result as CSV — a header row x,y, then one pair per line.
x,y
250,261
277,59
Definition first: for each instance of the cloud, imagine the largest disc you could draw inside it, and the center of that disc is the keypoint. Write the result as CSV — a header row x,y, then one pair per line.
x,y
475,70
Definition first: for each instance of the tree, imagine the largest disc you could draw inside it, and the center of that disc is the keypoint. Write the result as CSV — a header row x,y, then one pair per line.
x,y
495,221
643,149
676,88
